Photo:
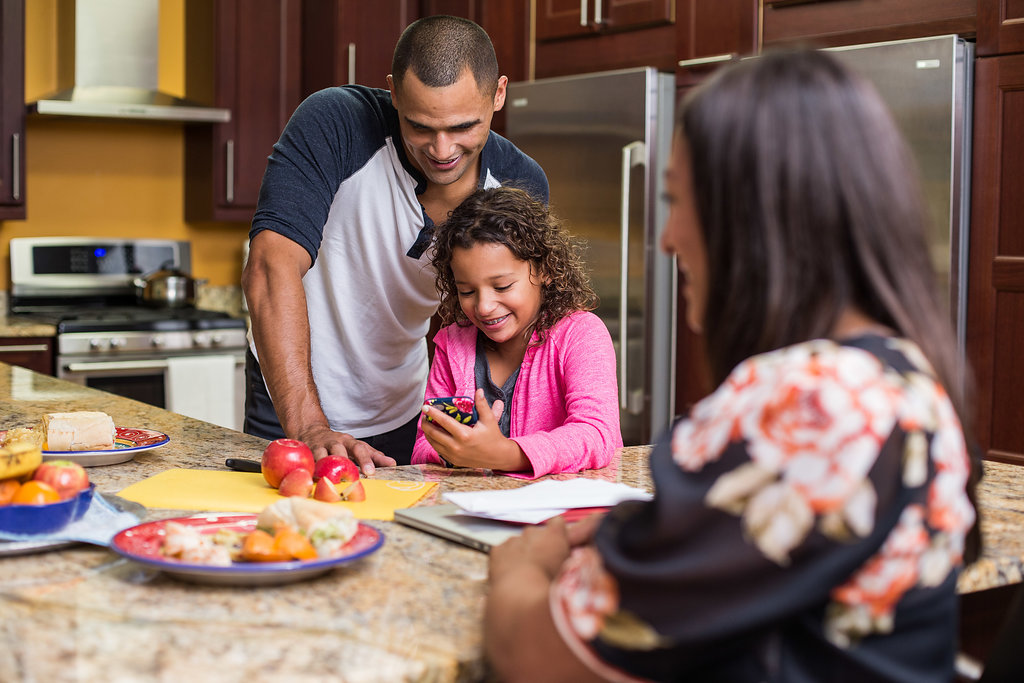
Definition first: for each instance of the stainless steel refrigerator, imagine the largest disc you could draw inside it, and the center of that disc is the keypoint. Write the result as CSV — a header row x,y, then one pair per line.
x,y
927,85
603,139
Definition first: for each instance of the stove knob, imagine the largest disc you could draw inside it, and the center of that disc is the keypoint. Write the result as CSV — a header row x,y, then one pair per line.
x,y
95,344
217,340
200,340
117,342
156,342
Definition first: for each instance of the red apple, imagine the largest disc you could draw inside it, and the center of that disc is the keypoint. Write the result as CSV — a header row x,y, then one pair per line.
x,y
298,482
354,492
324,490
337,468
65,476
281,457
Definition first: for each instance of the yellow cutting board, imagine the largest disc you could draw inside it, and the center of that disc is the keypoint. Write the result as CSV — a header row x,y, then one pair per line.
x,y
219,491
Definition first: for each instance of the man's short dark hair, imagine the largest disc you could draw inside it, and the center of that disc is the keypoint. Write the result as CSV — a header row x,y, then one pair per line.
x,y
439,48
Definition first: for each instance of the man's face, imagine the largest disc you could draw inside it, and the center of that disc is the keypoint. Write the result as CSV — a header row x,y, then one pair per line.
x,y
444,129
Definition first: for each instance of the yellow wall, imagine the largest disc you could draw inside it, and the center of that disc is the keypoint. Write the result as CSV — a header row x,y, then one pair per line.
x,y
113,179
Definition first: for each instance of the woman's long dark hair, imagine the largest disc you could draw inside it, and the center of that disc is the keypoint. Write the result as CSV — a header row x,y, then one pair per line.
x,y
809,204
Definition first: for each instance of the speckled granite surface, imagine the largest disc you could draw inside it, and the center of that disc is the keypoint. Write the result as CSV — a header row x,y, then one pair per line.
x,y
411,611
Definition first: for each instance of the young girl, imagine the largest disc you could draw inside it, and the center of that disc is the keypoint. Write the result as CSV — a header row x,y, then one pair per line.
x,y
520,340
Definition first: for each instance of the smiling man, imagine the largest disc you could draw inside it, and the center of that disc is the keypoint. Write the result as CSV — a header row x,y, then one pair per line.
x,y
338,281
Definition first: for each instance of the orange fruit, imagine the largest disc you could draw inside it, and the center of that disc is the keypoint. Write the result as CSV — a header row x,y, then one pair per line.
x,y
294,544
8,487
259,547
35,493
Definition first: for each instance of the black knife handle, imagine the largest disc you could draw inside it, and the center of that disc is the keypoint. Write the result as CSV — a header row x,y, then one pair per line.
x,y
243,465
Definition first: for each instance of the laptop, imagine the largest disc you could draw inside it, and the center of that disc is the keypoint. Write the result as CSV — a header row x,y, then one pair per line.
x,y
447,521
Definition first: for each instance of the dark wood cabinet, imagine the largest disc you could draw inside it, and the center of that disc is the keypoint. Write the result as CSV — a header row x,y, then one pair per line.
x,y
1000,27
570,18
995,310
12,109
351,41
848,22
709,34
34,353
243,56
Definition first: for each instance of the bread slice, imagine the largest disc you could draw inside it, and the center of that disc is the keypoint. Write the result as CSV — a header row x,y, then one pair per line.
x,y
79,431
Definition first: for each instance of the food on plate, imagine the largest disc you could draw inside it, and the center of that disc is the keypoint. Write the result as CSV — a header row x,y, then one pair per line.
x,y
187,544
19,434
259,546
8,487
84,430
66,477
19,459
298,482
35,493
328,527
337,468
282,456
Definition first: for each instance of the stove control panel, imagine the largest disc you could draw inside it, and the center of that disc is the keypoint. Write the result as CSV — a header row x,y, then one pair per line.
x,y
118,343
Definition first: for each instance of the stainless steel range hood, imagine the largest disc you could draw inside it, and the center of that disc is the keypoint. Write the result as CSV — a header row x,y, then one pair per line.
x,y
114,62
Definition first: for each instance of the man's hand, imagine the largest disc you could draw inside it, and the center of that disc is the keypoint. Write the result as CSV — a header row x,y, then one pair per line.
x,y
323,442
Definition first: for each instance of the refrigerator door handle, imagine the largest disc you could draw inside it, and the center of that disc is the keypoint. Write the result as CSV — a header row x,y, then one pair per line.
x,y
633,154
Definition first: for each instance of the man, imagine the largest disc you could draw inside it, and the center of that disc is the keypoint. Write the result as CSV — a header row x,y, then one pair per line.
x,y
338,282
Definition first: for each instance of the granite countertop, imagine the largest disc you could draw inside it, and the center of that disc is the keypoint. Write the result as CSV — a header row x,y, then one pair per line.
x,y
410,611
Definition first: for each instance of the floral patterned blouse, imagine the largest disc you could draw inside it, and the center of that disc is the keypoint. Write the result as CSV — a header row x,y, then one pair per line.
x,y
808,524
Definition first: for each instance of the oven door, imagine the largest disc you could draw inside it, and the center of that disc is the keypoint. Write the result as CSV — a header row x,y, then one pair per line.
x,y
145,378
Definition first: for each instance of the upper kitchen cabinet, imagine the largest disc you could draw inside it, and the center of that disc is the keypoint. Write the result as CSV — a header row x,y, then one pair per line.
x,y
570,18
351,41
12,109
995,311
600,35
242,55
1000,27
712,33
849,22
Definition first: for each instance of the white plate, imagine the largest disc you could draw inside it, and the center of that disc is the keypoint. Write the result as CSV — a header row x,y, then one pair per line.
x,y
127,442
142,543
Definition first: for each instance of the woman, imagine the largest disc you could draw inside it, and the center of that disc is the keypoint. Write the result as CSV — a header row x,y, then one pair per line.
x,y
811,516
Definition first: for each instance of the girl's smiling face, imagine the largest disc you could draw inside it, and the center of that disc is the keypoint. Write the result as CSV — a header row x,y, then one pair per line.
x,y
498,292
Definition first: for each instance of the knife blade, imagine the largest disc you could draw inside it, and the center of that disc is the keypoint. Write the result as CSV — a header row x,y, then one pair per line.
x,y
243,465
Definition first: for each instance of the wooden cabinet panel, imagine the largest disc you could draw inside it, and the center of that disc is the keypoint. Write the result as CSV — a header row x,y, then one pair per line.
x,y
650,47
995,310
351,41
847,22
34,353
570,18
12,109
1000,27
243,56
710,34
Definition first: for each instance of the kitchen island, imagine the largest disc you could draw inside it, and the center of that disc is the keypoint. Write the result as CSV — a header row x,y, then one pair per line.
x,y
410,611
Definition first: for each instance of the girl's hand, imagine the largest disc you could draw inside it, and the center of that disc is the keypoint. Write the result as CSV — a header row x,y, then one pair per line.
x,y
481,445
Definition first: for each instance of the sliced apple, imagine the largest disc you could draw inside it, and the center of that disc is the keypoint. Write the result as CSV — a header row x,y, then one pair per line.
x,y
324,490
354,492
298,482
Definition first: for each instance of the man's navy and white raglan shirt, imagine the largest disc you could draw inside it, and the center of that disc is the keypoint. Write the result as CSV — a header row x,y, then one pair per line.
x,y
340,184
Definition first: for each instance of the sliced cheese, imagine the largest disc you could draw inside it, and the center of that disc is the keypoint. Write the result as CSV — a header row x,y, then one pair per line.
x,y
79,431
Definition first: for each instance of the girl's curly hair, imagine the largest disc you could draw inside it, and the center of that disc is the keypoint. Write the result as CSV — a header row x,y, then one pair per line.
x,y
511,217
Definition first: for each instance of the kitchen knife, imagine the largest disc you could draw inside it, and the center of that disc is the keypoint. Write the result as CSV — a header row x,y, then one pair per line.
x,y
243,465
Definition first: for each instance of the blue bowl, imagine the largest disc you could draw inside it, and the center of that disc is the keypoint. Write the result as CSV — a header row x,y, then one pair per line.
x,y
47,518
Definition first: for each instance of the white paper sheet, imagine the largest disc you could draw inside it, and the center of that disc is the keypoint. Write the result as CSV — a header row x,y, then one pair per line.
x,y
537,502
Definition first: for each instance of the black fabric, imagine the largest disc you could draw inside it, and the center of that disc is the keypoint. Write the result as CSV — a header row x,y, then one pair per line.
x,y
261,418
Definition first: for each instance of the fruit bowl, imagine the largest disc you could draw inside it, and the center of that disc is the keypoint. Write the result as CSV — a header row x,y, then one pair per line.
x,y
47,518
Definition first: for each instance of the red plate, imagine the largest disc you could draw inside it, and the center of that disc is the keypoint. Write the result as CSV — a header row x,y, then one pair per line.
x,y
142,543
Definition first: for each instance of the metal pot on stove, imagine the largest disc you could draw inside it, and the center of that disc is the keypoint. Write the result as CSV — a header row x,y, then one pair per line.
x,y
168,287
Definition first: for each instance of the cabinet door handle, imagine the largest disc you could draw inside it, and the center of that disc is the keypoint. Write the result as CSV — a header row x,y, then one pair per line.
x,y
632,155
229,172
16,166
22,348
351,63
701,61
598,14
583,12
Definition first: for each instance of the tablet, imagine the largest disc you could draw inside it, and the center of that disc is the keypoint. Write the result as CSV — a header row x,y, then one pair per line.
x,y
447,521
